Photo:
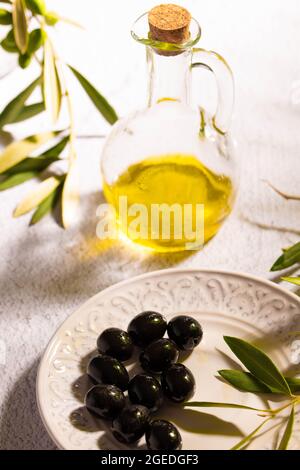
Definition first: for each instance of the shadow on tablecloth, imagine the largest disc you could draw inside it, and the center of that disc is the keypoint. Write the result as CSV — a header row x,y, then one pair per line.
x,y
21,426
49,273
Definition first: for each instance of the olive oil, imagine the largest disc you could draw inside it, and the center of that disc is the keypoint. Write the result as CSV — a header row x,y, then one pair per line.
x,y
167,180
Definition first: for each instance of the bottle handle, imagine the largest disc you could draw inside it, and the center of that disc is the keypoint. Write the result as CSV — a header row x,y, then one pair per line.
x,y
225,85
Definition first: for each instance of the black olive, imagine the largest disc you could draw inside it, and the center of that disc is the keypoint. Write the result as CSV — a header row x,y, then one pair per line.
x,y
146,328
116,343
108,370
105,401
145,390
163,435
159,356
131,424
178,383
185,331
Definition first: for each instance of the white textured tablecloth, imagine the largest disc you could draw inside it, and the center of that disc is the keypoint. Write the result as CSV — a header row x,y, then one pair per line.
x,y
46,272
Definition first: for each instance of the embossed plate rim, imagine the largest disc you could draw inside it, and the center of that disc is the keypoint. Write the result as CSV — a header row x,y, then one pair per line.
x,y
165,272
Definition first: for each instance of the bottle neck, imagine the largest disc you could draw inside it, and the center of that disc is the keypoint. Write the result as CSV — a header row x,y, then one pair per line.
x,y
169,77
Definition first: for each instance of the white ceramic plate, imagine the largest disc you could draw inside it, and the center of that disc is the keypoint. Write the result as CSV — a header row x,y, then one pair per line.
x,y
225,304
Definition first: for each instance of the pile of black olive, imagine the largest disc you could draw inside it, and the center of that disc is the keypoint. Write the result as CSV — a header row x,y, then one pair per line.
x,y
158,358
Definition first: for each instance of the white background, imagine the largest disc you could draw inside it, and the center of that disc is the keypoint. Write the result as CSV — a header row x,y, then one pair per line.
x,y
45,272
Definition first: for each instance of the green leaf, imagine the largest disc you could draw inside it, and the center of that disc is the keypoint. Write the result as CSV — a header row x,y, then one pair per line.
x,y
259,364
244,381
51,18
292,280
289,257
36,164
288,431
28,112
5,17
294,384
37,195
15,107
248,383
9,43
20,26
46,206
14,180
248,438
99,101
57,149
36,6
18,151
51,84
24,60
211,404
41,162
37,38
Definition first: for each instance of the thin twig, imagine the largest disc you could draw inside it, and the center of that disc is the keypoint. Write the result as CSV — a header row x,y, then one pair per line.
x,y
71,22
91,136
38,60
269,227
276,411
287,197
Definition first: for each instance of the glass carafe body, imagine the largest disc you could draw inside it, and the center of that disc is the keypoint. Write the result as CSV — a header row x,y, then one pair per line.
x,y
169,170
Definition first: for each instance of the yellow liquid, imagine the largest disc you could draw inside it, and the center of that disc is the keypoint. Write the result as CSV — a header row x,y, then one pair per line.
x,y
172,179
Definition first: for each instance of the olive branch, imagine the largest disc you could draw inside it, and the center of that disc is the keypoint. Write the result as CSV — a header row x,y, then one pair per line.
x,y
290,256
30,38
261,377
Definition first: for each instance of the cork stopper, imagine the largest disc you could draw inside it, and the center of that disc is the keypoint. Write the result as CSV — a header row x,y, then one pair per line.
x,y
169,23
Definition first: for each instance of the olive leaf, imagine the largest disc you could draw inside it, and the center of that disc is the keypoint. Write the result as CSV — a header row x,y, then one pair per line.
x,y
24,60
36,164
36,6
37,195
20,25
211,404
41,162
289,257
244,381
5,17
28,112
259,364
70,194
57,149
292,280
19,178
9,43
51,18
37,38
51,83
288,431
18,151
99,101
14,108
294,384
46,206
